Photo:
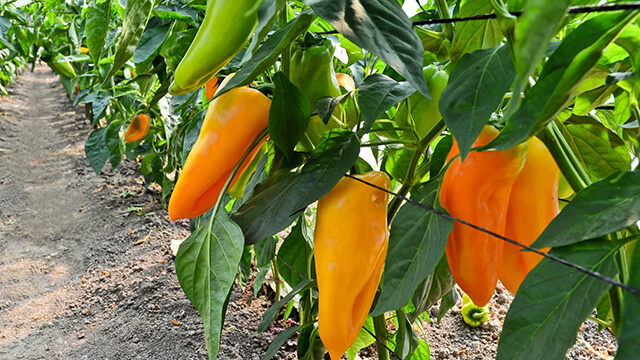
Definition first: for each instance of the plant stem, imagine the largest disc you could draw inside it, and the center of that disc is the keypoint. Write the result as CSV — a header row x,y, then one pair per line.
x,y
443,10
380,328
276,279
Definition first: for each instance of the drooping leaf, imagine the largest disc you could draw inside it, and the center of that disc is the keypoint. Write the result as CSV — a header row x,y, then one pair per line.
x,y
475,89
96,150
115,143
382,27
206,265
378,93
606,206
554,300
416,244
96,26
436,286
474,35
294,253
288,114
136,15
150,44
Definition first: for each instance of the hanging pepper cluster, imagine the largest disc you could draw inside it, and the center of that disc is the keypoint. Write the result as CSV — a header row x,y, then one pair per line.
x,y
512,193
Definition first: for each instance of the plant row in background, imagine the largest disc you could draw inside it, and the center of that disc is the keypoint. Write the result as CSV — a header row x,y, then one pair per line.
x,y
434,151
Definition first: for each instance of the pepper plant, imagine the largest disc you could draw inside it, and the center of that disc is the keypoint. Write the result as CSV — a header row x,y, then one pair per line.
x,y
407,87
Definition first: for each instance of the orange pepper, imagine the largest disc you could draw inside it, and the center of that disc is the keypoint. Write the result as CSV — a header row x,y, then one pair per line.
x,y
211,87
350,244
233,122
532,205
346,81
138,129
477,191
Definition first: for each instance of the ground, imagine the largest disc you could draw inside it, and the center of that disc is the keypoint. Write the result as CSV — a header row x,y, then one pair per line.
x,y
86,269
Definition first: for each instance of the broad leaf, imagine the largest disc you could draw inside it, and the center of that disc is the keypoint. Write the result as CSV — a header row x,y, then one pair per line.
x,y
96,26
268,53
150,44
96,150
177,12
135,19
436,286
272,312
474,35
606,206
378,93
288,114
364,338
294,254
115,143
206,265
578,53
628,344
280,199
267,15
554,300
475,89
416,244
382,27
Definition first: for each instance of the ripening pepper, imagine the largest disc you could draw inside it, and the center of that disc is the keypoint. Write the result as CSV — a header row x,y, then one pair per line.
x,y
532,205
425,113
226,28
311,70
472,314
84,50
138,129
233,122
477,191
211,87
350,242
346,81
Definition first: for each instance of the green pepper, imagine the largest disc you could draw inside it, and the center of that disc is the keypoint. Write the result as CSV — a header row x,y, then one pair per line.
x,y
226,28
425,113
472,314
311,70
62,68
20,33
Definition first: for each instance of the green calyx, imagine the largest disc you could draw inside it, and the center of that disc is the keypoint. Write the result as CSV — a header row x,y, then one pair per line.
x,y
472,314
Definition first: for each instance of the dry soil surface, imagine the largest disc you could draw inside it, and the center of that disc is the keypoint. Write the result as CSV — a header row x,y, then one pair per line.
x,y
86,270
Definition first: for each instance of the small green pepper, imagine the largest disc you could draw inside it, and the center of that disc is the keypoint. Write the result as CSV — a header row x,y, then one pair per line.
x,y
472,314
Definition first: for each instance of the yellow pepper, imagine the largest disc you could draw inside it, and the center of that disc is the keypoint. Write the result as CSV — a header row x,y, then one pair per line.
x,y
350,243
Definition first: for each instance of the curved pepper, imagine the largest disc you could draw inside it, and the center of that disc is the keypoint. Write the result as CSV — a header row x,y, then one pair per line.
x,y
472,314
425,113
63,67
138,129
226,28
532,205
233,122
211,87
478,191
311,70
350,243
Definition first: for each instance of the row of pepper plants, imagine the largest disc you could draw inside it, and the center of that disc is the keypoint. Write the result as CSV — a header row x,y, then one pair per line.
x,y
12,61
247,113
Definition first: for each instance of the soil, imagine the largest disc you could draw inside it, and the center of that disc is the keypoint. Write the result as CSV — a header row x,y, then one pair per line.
x,y
86,269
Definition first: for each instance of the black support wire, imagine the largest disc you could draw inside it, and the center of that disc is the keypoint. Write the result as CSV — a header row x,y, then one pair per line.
x,y
551,257
572,10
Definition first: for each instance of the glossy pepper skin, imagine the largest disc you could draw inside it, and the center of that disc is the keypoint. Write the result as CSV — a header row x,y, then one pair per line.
x,y
233,122
226,28
425,113
350,243
472,314
138,129
62,68
532,205
311,70
478,191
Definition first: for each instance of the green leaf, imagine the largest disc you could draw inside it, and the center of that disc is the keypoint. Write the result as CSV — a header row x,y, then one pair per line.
x,y
475,89
268,53
572,61
591,99
416,243
537,25
206,265
265,251
280,199
272,312
600,151
439,156
378,93
628,344
96,27
474,35
176,12
136,15
554,300
436,286
422,352
267,15
407,340
99,105
448,301
397,161
382,27
288,115
294,254
281,339
150,44
96,150
115,143
606,206
5,24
